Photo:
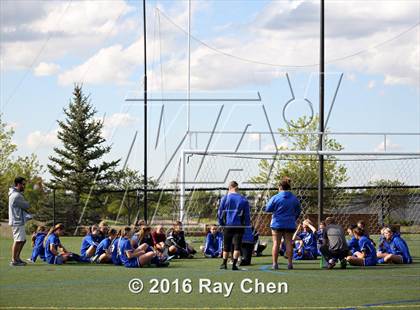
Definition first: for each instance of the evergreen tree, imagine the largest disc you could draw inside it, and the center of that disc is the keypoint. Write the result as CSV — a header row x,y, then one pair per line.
x,y
77,165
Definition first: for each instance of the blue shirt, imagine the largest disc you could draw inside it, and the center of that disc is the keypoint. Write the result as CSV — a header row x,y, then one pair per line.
x,y
398,246
55,241
39,240
353,245
88,241
319,237
116,260
285,208
103,246
309,240
124,246
214,243
234,211
367,247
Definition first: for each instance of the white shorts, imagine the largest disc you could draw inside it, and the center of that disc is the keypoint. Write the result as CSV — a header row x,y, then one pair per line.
x,y
19,233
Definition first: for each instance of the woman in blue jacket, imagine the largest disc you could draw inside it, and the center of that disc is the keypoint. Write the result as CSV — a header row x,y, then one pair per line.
x,y
396,251
286,209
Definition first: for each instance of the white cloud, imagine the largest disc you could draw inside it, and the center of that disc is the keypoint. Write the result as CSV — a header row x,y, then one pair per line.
x,y
46,69
351,77
38,139
115,121
49,30
371,84
389,146
254,137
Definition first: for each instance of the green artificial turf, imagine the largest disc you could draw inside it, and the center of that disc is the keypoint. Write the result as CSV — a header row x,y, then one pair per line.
x,y
42,286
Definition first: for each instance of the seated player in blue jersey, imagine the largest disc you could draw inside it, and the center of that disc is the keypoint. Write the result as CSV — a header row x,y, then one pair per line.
x,y
103,254
115,257
367,254
103,228
353,243
306,242
137,257
320,236
176,244
394,249
90,242
38,244
55,253
213,246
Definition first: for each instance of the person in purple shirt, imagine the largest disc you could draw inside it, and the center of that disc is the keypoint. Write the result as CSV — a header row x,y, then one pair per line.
x,y
286,210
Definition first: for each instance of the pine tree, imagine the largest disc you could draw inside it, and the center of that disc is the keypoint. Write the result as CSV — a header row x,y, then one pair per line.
x,y
77,165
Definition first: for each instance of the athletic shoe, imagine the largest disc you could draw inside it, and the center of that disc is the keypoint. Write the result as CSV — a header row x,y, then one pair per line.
x,y
331,264
94,259
290,267
15,264
30,261
21,261
343,264
234,267
275,266
223,266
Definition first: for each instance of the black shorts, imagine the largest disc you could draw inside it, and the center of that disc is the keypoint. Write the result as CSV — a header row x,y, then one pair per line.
x,y
284,230
232,236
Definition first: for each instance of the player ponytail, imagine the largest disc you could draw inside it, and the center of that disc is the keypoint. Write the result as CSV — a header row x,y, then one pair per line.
x,y
53,230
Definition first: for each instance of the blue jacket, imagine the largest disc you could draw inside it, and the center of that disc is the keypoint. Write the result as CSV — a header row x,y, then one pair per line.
x,y
398,246
234,211
248,236
285,208
353,245
214,244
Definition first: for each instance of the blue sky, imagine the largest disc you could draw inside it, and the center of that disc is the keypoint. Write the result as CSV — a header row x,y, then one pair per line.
x,y
47,46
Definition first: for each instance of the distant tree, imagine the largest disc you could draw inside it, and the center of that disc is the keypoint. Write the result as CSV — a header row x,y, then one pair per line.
x,y
303,169
11,167
78,164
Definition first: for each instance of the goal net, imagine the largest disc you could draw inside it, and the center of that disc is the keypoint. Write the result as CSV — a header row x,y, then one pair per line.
x,y
376,188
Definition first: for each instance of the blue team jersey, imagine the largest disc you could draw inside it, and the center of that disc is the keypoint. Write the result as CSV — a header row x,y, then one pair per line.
x,y
103,246
39,240
88,241
214,244
367,247
353,245
398,246
116,260
285,208
51,240
123,248
383,246
309,240
234,211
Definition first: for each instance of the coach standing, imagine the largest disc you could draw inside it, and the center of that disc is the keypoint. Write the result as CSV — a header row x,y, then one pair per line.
x,y
233,215
17,218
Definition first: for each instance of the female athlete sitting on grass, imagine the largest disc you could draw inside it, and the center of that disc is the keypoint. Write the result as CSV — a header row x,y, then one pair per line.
x,y
55,253
306,241
159,238
213,246
367,254
138,257
353,243
90,242
103,252
176,244
394,249
38,238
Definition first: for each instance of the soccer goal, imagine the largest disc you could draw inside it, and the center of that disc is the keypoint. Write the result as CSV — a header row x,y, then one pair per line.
x,y
378,188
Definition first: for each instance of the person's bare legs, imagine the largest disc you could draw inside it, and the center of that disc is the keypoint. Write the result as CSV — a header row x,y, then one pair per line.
x,y
289,249
275,250
146,258
357,260
17,247
391,258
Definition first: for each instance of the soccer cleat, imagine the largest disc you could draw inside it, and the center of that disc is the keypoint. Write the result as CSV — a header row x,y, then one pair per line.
x,y
290,267
15,264
331,264
234,267
343,264
275,266
30,261
223,266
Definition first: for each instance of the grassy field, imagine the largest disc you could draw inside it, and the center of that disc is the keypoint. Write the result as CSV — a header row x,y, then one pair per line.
x,y
81,286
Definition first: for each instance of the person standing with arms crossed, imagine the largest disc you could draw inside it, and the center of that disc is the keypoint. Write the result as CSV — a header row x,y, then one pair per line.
x,y
18,215
286,210
233,215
